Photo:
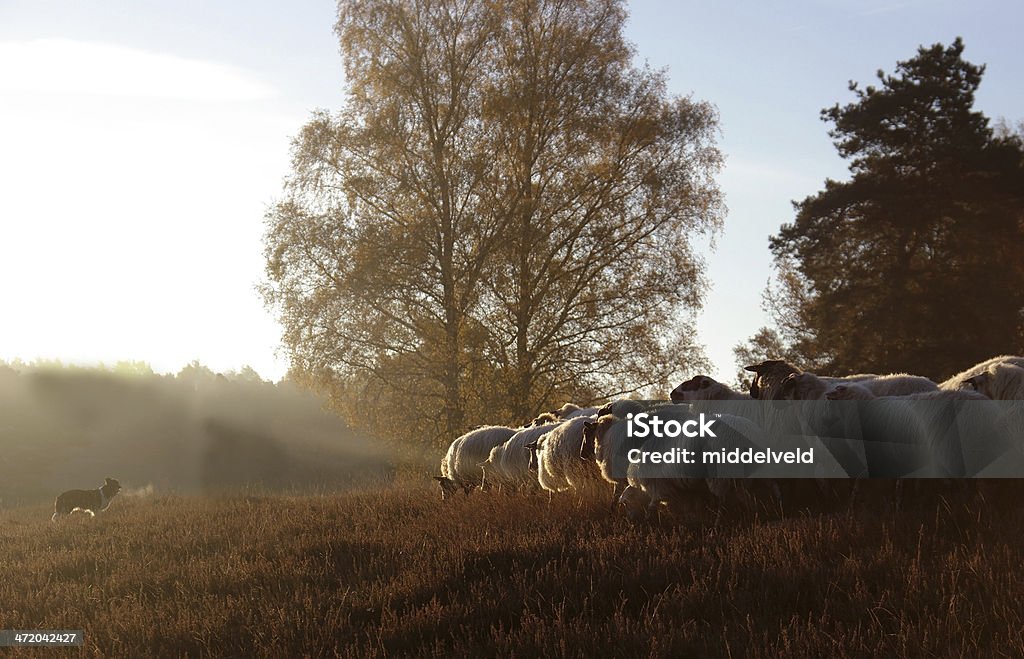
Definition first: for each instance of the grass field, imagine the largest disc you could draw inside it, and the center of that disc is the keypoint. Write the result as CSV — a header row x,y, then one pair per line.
x,y
396,572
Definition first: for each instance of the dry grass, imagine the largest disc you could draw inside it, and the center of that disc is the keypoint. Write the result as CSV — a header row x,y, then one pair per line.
x,y
394,571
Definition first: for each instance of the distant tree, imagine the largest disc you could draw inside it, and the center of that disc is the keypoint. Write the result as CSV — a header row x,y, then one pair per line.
x,y
499,217
915,263
786,299
196,375
247,374
132,368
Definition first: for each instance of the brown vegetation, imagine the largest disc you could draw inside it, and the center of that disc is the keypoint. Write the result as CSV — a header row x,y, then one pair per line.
x,y
394,571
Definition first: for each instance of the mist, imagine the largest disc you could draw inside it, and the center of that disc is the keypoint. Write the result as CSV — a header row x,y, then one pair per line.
x,y
194,433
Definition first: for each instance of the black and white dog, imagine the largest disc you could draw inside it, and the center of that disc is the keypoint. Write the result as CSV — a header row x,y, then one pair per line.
x,y
90,501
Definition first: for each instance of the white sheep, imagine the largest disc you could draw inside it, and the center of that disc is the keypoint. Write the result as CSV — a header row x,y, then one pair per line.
x,y
559,467
681,486
808,386
578,412
607,442
944,433
1000,381
770,375
460,467
960,378
543,419
624,406
508,465
702,387
859,391
566,411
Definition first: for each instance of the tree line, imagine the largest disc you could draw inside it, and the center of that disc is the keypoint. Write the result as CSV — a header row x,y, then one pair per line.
x,y
194,432
502,217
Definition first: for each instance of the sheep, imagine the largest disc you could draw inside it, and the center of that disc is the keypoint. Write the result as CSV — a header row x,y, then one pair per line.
x,y
899,384
580,412
607,443
543,419
508,464
859,391
958,380
851,391
808,386
1000,381
802,386
944,433
679,486
617,409
827,419
624,406
770,375
559,467
460,466
776,380
702,387
566,411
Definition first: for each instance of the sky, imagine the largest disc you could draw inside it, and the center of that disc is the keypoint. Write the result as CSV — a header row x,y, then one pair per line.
x,y
141,143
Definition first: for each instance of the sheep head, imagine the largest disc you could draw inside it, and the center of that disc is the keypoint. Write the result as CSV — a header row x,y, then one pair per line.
x,y
852,391
544,419
600,428
587,445
695,383
565,410
999,382
533,447
768,375
801,386
448,487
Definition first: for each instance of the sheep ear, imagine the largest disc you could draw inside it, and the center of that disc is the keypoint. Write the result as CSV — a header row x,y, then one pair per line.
x,y
841,388
440,479
531,446
974,380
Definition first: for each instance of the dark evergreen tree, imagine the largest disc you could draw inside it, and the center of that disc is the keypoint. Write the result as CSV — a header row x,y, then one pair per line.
x,y
917,262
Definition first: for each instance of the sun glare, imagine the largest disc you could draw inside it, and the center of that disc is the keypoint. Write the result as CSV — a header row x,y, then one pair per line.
x,y
65,66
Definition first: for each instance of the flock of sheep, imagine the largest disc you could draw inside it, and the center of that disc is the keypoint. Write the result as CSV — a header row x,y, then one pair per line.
x,y
575,448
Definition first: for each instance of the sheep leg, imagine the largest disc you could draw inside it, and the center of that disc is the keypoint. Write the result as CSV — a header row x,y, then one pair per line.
x,y
618,489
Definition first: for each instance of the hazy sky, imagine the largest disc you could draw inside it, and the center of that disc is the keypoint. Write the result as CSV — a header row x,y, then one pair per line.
x,y
140,143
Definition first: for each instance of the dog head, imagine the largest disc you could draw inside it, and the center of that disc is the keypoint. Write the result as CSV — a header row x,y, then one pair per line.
x,y
110,487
